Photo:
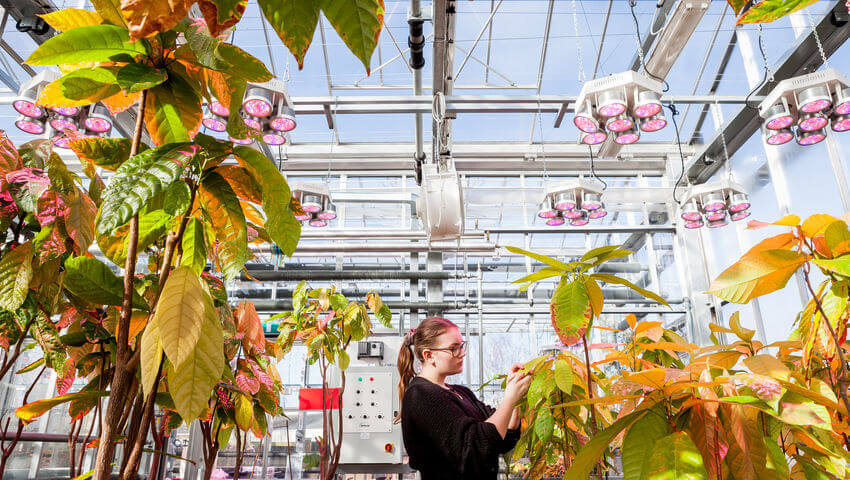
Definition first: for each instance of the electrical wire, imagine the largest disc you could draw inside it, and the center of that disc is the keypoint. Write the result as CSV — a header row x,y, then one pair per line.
x,y
666,86
673,112
593,171
764,78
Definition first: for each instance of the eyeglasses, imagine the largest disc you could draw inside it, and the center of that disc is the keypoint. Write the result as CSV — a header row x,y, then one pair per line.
x,y
456,350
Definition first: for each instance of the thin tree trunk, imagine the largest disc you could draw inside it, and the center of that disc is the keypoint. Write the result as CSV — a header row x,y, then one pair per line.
x,y
239,453
122,376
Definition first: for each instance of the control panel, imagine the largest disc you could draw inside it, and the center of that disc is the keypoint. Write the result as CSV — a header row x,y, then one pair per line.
x,y
369,405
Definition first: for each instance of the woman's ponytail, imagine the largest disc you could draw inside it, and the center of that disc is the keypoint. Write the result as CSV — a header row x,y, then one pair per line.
x,y
405,367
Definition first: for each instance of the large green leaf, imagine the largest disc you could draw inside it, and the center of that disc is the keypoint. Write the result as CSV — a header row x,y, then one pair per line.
x,y
152,226
180,313
47,336
756,274
541,258
544,425
138,180
564,376
15,276
173,111
295,23
91,280
569,304
194,246
108,153
222,211
840,265
281,224
769,10
674,457
33,410
359,24
136,77
592,450
607,278
639,441
224,57
83,86
192,381
96,43
151,356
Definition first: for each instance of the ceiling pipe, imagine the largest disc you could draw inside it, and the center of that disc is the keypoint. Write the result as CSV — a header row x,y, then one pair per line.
x,y
503,307
316,275
612,267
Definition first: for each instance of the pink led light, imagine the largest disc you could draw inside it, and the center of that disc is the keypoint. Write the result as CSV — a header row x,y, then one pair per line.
x,y
718,224
739,207
219,109
695,224
554,222
242,141
740,215
61,124
620,124
304,217
282,124
253,123
653,125
318,222
780,138
779,123
579,222
214,124
597,214
573,214
547,214
32,127
711,217
812,123
612,109
258,108
62,142
810,138
843,108
815,106
327,215
691,216
67,111
647,110
842,125
591,205
586,124
28,108
626,138
97,124
565,206
274,139
594,138
714,206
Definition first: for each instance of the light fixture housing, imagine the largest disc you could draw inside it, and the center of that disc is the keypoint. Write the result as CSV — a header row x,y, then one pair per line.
x,y
591,201
217,108
258,102
60,123
329,212
67,111
842,101
840,123
545,210
594,138
596,214
214,121
810,138
778,117
555,221
242,141
619,123
738,202
584,119
720,222
318,222
33,126
577,200
25,104
97,120
284,119
653,123
311,203
627,137
611,103
694,224
690,212
565,201
738,216
814,99
778,137
252,122
580,220
273,137
648,104
713,202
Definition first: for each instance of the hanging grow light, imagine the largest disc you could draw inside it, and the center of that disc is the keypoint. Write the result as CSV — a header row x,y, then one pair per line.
x,y
626,103
317,206
265,107
808,101
577,201
33,126
98,120
713,204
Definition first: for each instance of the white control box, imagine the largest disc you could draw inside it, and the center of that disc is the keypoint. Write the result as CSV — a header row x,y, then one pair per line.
x,y
369,405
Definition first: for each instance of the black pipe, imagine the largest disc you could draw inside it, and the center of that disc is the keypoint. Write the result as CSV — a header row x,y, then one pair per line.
x,y
416,42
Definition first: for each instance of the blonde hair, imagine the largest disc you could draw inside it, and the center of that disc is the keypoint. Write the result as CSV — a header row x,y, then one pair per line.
x,y
415,342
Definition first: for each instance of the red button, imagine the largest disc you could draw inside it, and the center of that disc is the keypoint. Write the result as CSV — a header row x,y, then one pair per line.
x,y
388,447
371,379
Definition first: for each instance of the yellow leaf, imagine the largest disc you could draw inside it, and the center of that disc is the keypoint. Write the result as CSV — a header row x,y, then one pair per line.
x,y
68,18
744,334
653,377
244,412
252,214
725,360
594,293
817,224
643,326
669,346
180,314
756,275
787,221
120,101
15,276
146,18
150,357
783,241
767,365
192,382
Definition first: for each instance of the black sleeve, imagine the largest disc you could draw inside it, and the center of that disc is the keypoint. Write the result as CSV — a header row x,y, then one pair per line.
x,y
511,436
470,444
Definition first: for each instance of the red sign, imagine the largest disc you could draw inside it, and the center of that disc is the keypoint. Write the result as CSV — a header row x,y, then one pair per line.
x,y
311,398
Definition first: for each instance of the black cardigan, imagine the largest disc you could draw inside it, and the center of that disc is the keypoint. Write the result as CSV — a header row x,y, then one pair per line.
x,y
447,438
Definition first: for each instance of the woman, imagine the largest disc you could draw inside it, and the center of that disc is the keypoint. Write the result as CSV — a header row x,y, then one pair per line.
x,y
448,433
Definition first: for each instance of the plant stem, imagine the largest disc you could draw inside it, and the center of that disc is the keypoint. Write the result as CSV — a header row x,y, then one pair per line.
x,y
122,376
842,372
590,396
239,453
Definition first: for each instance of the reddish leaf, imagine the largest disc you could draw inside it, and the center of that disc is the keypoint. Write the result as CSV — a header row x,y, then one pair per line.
x,y
222,14
249,325
146,18
66,380
248,384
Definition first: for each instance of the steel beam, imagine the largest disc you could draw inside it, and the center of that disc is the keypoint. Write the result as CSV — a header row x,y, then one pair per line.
x,y
803,57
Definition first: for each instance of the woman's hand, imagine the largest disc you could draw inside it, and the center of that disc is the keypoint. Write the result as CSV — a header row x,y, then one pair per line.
x,y
517,385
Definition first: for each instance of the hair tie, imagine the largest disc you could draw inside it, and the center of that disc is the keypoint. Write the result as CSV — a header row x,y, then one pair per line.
x,y
408,338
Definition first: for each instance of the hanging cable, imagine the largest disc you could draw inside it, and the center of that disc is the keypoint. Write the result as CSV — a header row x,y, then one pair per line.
x,y
581,75
542,143
673,113
666,86
767,72
593,171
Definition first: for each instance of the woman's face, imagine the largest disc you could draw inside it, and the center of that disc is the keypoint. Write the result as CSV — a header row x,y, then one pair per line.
x,y
443,360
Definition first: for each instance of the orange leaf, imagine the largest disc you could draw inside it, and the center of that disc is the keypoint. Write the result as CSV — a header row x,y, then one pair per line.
x,y
788,221
252,214
783,241
146,18
253,337
757,274
632,320
218,20
817,224
652,378
643,326
120,102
